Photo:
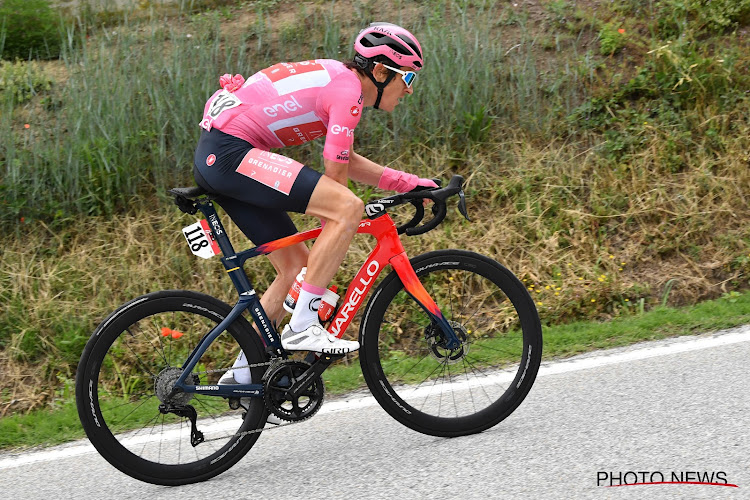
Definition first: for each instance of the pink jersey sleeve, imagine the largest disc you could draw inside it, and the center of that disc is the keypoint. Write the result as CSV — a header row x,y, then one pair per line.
x,y
342,100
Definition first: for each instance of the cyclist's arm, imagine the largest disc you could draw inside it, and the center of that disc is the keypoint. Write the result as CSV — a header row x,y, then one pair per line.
x,y
367,171
337,171
364,170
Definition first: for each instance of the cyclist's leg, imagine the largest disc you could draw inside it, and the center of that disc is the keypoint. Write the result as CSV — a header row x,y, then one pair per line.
x,y
286,261
274,182
342,211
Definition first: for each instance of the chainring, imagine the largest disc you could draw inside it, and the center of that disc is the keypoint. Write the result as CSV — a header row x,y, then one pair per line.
x,y
279,379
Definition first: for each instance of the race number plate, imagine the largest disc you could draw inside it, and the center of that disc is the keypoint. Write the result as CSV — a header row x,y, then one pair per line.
x,y
223,101
200,240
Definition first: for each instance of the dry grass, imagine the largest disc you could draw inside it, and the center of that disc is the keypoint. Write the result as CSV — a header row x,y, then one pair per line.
x,y
588,241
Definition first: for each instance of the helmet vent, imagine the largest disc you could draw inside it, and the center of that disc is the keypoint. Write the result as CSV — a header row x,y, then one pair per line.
x,y
411,44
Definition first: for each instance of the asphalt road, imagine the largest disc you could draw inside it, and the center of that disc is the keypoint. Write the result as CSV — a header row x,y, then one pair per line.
x,y
671,410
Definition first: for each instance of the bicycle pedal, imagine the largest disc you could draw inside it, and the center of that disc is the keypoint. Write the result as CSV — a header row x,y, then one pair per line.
x,y
234,403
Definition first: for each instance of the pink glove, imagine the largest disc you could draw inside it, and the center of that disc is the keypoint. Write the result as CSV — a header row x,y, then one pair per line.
x,y
395,180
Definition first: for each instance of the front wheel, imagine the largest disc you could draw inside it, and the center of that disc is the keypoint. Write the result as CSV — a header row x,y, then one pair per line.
x,y
467,390
128,369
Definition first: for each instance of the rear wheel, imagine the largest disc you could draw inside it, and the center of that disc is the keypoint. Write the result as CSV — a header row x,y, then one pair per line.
x,y
452,392
128,369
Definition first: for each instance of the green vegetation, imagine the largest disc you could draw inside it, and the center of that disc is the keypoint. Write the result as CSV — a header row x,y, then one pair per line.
x,y
605,147
21,81
29,29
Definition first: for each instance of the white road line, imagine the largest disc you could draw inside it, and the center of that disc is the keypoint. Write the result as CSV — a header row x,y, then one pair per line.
x,y
583,362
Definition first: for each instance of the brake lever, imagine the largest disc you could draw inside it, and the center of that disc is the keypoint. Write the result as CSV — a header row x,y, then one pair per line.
x,y
462,205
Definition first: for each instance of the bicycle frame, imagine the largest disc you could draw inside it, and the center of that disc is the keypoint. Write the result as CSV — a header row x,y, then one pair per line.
x,y
389,250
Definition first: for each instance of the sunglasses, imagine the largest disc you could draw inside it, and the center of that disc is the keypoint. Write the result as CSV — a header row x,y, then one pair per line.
x,y
407,76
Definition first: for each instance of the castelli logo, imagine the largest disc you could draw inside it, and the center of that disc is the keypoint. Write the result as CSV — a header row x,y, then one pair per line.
x,y
355,110
211,159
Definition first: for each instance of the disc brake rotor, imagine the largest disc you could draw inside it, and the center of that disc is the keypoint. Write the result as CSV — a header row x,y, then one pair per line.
x,y
436,343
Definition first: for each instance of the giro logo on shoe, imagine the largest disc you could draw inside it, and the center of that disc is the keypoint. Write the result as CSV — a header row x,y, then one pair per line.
x,y
335,350
288,106
338,129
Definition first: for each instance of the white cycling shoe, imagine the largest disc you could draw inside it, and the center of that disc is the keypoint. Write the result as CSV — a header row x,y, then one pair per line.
x,y
315,338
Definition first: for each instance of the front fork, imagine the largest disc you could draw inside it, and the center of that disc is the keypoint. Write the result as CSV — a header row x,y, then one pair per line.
x,y
414,287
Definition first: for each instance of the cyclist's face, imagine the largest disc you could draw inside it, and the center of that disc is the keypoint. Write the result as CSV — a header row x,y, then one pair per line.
x,y
396,89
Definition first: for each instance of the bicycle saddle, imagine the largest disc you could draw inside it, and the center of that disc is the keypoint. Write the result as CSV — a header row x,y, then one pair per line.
x,y
190,193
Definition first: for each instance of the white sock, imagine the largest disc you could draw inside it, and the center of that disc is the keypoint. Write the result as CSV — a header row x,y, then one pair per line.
x,y
242,375
306,311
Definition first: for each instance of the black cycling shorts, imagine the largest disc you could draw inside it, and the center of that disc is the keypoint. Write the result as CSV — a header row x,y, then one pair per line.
x,y
256,188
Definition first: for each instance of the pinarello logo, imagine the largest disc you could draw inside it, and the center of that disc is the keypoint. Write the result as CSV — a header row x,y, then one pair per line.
x,y
354,110
211,159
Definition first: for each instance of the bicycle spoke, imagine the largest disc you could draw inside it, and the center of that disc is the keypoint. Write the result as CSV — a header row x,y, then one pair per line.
x,y
474,371
137,357
132,411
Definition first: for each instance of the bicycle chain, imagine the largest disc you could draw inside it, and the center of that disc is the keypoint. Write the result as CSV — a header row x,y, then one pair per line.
x,y
259,430
222,370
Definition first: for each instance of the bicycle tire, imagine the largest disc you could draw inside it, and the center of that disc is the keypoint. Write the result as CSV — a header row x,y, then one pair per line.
x,y
115,391
457,393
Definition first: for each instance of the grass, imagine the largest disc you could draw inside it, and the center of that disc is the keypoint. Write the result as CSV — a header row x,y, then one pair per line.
x,y
61,424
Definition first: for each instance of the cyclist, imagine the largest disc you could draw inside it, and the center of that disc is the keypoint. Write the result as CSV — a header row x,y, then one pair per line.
x,y
289,104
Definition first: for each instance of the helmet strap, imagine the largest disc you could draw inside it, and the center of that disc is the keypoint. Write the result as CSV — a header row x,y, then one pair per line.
x,y
380,86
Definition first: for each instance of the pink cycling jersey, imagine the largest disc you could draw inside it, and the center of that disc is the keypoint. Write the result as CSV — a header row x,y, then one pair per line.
x,y
290,104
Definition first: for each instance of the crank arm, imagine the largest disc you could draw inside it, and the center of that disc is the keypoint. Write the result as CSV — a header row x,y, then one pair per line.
x,y
304,381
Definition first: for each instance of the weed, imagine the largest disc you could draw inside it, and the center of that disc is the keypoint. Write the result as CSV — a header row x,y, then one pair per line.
x,y
21,80
611,39
29,29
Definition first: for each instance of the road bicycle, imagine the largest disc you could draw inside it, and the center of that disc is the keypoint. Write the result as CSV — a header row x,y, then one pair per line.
x,y
451,343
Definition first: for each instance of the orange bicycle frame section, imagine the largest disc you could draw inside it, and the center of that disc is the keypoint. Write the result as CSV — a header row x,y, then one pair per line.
x,y
388,250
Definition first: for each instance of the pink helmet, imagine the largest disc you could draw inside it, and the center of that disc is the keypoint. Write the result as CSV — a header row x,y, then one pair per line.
x,y
391,41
